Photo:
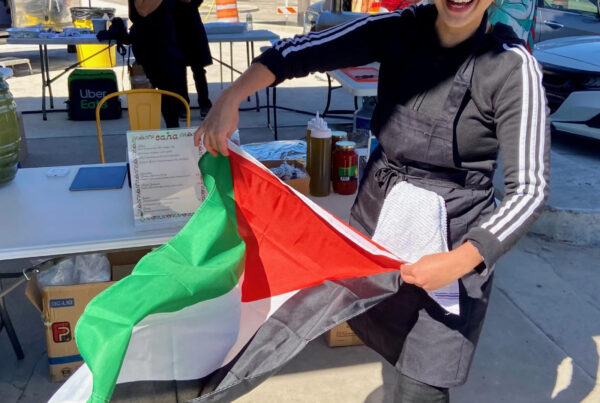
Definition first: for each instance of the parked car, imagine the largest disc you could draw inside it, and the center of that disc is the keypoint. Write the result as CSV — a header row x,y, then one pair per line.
x,y
314,11
560,18
571,68
555,18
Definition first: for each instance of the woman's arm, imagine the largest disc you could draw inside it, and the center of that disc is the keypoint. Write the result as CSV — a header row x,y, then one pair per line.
x,y
146,7
353,44
223,117
523,133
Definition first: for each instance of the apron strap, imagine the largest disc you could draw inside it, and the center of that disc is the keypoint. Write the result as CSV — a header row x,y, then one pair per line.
x,y
389,174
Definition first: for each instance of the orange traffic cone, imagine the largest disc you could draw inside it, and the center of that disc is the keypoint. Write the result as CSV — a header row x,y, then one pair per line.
x,y
227,11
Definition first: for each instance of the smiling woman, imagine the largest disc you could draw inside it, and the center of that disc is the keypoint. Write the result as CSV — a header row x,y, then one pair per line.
x,y
453,90
458,19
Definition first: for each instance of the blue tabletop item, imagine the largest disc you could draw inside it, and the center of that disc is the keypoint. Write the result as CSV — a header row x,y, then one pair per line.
x,y
94,178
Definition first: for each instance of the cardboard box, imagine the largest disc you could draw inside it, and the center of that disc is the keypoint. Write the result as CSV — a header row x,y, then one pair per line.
x,y
301,185
341,336
61,307
122,263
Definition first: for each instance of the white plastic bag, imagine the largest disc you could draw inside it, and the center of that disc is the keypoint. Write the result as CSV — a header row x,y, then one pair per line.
x,y
80,269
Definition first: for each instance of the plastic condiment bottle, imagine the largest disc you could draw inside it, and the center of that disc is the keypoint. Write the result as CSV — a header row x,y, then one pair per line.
x,y
320,161
9,131
314,122
345,168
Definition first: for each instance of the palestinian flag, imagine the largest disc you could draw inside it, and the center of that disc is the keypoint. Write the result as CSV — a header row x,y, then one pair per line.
x,y
257,273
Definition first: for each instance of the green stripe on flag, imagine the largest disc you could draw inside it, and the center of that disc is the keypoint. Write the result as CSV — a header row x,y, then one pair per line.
x,y
203,261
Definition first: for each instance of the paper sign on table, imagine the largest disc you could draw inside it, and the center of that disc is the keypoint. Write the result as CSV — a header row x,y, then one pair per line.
x,y
166,184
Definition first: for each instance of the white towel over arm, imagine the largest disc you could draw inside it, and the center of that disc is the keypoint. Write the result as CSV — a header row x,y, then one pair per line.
x,y
412,224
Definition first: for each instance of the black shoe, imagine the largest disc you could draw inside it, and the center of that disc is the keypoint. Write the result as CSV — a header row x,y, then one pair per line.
x,y
182,115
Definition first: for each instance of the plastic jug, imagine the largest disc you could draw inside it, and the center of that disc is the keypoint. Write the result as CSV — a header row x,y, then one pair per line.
x,y
9,131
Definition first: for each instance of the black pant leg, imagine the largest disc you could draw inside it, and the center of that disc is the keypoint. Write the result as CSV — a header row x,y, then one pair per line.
x,y
168,75
201,85
408,390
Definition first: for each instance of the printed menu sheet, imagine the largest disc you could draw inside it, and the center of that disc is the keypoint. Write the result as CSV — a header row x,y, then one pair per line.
x,y
166,184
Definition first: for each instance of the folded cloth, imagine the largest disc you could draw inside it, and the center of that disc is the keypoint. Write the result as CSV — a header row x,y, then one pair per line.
x,y
412,224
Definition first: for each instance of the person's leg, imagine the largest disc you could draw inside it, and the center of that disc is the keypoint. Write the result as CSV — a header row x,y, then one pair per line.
x,y
202,89
171,78
408,390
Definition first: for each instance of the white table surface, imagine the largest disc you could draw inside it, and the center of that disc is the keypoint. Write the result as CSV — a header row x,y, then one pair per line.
x,y
246,36
356,88
74,40
40,217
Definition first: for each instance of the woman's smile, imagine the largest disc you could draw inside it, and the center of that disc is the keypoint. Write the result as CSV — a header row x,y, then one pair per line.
x,y
459,6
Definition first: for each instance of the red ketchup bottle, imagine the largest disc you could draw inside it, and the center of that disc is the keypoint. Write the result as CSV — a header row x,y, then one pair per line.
x,y
345,168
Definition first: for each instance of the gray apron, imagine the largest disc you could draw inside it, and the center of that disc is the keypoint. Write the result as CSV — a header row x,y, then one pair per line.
x,y
409,329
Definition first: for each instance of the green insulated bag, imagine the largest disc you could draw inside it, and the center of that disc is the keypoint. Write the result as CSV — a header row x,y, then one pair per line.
x,y
86,88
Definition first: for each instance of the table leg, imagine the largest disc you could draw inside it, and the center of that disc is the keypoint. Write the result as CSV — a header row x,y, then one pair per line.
x,y
231,59
43,69
268,108
275,113
248,61
221,65
256,93
12,336
48,77
328,96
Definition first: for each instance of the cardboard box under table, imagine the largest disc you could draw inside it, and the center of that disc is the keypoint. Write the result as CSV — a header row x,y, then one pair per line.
x,y
300,184
61,307
341,336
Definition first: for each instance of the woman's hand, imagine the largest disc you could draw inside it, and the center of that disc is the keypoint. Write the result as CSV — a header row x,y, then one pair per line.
x,y
218,125
222,119
440,269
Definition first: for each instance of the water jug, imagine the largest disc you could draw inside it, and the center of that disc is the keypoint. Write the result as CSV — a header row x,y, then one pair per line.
x,y
9,131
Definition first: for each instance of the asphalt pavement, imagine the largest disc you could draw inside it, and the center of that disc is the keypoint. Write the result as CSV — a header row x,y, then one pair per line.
x,y
541,338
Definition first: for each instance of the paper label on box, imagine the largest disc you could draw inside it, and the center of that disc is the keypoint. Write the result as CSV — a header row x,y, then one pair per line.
x,y
62,303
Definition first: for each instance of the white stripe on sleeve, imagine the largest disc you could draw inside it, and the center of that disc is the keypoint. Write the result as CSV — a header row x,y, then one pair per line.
x,y
521,205
310,40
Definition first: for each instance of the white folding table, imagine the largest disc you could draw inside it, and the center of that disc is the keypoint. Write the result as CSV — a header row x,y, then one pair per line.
x,y
355,88
41,218
249,37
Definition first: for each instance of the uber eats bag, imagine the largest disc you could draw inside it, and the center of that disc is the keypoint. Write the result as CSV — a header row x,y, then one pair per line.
x,y
86,88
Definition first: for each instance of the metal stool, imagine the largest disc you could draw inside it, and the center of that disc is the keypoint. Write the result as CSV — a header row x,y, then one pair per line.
x,y
13,61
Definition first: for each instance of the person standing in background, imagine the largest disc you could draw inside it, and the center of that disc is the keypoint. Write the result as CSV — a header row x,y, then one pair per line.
x,y
191,38
154,45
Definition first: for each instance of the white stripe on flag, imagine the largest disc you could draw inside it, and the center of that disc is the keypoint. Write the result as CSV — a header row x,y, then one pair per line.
x,y
186,344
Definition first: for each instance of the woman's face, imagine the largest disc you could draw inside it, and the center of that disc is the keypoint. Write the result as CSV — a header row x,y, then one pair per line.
x,y
461,14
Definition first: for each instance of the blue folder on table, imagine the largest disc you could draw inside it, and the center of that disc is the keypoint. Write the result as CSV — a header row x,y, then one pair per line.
x,y
94,178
